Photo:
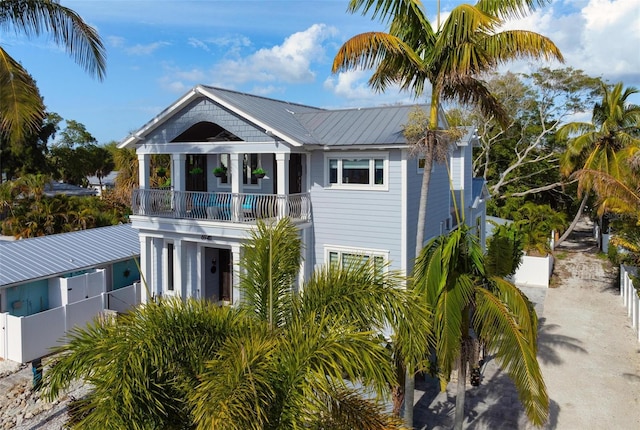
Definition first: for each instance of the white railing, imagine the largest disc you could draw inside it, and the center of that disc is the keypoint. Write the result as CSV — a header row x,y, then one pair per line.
x,y
25,339
232,207
630,297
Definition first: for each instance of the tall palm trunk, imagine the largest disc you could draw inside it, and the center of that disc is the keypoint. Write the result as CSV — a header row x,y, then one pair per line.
x,y
573,224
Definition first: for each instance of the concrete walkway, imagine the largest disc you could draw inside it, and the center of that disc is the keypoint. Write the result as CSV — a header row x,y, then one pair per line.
x,y
588,354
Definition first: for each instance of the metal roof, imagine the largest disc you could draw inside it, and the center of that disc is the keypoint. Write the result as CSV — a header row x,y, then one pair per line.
x,y
44,257
297,123
278,115
365,126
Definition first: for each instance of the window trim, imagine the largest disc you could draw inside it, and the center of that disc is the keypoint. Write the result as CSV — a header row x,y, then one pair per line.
x,y
371,156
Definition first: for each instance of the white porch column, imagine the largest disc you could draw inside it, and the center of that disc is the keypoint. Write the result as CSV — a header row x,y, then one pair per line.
x,y
282,163
144,178
177,171
145,267
236,185
235,256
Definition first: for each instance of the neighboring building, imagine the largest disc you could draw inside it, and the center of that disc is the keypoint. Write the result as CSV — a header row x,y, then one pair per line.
x,y
105,183
345,177
52,283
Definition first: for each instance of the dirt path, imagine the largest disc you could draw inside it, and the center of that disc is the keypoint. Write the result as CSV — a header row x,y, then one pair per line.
x,y
588,351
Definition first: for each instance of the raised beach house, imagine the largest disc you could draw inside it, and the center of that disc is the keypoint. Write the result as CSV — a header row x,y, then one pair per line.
x,y
346,178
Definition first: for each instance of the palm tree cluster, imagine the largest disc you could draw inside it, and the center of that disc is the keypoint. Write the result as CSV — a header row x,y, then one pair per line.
x,y
26,211
281,360
604,156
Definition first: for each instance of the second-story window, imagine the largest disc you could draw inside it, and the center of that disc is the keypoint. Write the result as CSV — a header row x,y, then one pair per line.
x,y
250,162
357,171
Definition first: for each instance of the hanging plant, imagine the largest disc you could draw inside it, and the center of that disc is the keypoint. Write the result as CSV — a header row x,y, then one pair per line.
x,y
196,170
220,171
259,173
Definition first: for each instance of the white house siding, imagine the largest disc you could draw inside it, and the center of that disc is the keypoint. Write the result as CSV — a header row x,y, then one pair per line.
x,y
357,219
205,110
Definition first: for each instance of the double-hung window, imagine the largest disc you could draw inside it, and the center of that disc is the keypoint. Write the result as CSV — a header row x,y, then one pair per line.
x,y
355,170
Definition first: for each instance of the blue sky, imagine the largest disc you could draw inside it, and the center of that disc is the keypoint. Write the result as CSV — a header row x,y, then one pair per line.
x,y
158,49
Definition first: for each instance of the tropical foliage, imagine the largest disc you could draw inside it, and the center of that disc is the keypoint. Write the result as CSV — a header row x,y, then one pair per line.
x,y
314,360
22,109
606,149
472,305
28,212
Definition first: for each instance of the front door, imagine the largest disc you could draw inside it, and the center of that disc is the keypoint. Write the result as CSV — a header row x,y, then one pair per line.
x,y
218,274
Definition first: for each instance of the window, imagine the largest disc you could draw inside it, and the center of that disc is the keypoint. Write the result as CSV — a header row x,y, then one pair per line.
x,y
170,283
250,162
357,170
347,257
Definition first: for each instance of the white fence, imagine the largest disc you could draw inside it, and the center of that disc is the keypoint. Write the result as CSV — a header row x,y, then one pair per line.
x,y
630,296
534,271
24,339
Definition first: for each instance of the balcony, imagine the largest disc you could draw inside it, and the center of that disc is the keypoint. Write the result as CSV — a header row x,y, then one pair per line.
x,y
221,207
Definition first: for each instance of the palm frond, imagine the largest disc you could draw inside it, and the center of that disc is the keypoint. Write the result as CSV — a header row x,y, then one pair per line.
x,y
21,107
236,389
346,410
270,262
515,349
66,27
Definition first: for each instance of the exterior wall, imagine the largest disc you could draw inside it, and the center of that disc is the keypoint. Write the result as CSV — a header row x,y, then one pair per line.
x,y
438,204
124,273
356,219
205,110
28,299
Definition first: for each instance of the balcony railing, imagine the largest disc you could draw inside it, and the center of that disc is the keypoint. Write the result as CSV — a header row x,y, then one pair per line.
x,y
230,207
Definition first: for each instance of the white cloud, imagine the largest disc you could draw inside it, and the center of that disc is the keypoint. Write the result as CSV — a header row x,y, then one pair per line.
x,y
147,49
197,43
290,62
115,41
179,81
601,37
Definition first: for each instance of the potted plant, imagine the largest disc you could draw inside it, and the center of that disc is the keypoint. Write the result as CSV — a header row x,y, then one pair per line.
x,y
161,172
219,172
196,170
259,173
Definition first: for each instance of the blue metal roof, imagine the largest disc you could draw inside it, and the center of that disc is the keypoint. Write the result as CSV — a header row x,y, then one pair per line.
x,y
44,257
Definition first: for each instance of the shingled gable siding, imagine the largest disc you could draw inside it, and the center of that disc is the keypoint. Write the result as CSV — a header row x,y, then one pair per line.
x,y
357,219
206,110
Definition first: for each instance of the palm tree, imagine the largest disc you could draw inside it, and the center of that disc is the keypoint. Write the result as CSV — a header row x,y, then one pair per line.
x,y
471,304
605,144
305,362
452,58
22,109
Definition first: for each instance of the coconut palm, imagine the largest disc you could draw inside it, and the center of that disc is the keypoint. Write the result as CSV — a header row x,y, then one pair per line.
x,y
603,145
315,360
22,109
471,304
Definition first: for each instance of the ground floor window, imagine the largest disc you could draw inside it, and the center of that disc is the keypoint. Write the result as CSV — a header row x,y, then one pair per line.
x,y
170,274
345,257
